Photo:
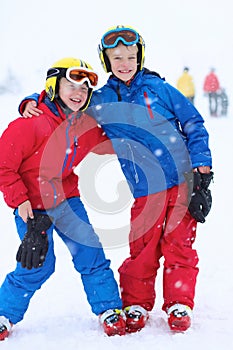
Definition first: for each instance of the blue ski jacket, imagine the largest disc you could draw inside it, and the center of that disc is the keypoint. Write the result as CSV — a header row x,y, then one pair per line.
x,y
156,132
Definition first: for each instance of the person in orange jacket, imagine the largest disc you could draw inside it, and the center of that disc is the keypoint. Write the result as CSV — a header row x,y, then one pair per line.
x,y
211,88
185,85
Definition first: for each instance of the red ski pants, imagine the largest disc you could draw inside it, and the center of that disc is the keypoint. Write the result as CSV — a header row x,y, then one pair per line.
x,y
161,225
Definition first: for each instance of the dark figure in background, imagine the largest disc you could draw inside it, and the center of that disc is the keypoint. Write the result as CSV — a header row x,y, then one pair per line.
x,y
223,99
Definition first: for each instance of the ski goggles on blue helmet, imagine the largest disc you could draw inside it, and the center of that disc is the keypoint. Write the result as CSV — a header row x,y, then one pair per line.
x,y
128,36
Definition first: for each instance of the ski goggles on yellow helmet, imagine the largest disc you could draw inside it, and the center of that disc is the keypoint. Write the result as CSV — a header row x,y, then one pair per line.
x,y
75,75
128,36
79,76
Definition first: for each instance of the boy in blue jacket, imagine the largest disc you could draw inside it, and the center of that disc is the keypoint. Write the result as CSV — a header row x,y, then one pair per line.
x,y
162,146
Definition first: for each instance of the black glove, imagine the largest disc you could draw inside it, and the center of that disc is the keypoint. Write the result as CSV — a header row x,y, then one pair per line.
x,y
199,194
33,249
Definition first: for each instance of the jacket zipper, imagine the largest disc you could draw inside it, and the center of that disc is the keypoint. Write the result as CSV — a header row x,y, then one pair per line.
x,y
148,105
66,159
133,161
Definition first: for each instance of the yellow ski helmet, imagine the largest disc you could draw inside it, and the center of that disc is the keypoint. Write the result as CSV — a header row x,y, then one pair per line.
x,y
128,36
74,70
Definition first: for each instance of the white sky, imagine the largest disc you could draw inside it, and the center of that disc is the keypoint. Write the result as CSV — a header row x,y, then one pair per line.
x,y
177,33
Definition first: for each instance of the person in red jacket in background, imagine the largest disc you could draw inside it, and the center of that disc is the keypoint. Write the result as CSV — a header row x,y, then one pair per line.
x,y
37,161
211,88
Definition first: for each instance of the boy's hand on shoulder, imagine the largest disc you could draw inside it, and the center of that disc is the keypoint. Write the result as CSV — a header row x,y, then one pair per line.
x,y
31,110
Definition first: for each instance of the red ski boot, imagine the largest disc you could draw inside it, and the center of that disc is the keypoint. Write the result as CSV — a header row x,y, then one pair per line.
x,y
5,327
113,322
136,318
179,317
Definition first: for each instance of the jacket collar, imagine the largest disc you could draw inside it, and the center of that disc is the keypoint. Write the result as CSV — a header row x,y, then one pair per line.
x,y
113,81
57,109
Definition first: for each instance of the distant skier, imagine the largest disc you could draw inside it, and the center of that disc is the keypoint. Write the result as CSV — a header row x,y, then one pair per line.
x,y
223,101
186,86
211,87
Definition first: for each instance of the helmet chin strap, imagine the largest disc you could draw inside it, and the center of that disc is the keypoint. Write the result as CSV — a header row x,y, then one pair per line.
x,y
64,107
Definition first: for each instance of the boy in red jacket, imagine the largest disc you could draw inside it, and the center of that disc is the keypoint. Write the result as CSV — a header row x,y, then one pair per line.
x,y
37,160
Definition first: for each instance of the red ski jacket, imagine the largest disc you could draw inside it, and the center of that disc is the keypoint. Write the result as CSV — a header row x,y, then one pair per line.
x,y
211,83
38,155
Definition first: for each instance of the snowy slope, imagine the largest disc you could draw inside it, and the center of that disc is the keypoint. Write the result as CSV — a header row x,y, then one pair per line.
x,y
59,316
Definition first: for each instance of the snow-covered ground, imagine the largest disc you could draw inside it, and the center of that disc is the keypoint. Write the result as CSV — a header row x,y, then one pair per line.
x,y
59,316
177,34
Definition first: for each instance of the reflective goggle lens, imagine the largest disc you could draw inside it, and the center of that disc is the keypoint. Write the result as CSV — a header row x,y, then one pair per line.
x,y
80,76
127,36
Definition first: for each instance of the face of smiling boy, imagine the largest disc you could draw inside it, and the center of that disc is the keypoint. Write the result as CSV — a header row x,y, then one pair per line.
x,y
74,96
123,60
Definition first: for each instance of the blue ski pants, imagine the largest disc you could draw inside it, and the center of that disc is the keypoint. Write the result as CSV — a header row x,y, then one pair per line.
x,y
72,225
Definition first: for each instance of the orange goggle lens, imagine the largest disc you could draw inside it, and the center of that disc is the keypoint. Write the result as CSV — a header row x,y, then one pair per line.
x,y
81,75
127,36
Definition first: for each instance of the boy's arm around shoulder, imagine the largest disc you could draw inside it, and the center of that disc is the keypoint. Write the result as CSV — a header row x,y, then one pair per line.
x,y
24,103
